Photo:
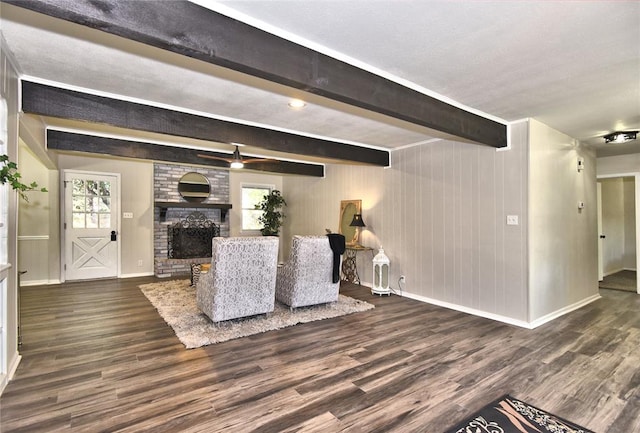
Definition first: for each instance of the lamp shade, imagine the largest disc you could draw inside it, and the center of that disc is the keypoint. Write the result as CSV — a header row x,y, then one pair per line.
x,y
357,221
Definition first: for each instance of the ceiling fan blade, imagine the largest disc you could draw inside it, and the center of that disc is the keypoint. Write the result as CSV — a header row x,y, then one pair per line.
x,y
250,160
215,157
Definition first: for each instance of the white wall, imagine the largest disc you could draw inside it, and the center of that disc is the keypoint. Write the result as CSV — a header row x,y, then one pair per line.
x,y
613,225
563,264
9,356
629,189
440,213
38,223
622,164
136,234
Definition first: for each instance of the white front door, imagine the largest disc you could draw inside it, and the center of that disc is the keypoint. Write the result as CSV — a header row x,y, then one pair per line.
x,y
90,225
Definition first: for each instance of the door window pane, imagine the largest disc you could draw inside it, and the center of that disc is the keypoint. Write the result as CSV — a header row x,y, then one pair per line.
x,y
105,189
78,204
78,187
92,220
78,220
91,201
105,220
92,187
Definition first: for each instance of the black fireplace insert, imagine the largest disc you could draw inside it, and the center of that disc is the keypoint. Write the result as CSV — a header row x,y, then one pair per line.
x,y
191,237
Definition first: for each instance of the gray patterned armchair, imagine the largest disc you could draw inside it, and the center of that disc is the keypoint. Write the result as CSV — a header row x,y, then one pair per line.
x,y
306,278
242,278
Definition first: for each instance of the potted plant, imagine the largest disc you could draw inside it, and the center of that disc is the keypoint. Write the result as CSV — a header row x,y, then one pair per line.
x,y
9,174
272,215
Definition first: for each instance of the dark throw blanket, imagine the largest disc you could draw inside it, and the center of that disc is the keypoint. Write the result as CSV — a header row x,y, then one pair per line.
x,y
338,246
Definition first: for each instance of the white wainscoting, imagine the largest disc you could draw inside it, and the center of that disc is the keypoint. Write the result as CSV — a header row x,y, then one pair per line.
x,y
33,257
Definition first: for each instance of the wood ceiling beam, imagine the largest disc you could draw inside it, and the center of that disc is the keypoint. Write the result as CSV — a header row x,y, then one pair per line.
x,y
51,101
191,30
74,142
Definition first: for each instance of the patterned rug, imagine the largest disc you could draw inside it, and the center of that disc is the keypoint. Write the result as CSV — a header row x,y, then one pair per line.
x,y
175,300
510,415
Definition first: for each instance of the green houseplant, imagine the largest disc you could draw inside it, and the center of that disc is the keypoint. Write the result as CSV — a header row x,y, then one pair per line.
x,y
272,215
9,174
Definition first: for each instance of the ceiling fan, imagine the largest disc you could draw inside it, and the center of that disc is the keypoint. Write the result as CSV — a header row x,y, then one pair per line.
x,y
236,161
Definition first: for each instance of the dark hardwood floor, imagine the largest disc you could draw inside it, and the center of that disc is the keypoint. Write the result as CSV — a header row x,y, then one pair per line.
x,y
98,358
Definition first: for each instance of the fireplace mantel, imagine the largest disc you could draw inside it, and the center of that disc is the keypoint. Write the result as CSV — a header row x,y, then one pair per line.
x,y
164,205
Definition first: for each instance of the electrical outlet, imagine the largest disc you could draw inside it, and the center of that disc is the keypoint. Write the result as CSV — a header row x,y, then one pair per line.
x,y
512,220
139,263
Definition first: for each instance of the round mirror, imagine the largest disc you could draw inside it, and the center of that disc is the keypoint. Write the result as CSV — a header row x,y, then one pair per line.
x,y
194,187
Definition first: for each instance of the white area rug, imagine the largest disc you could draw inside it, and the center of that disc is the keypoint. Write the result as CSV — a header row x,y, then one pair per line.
x,y
175,300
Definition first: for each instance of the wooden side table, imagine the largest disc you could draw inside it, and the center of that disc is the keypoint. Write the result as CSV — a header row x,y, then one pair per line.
x,y
349,264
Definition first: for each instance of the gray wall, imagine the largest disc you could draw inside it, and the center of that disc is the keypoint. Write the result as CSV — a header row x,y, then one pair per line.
x,y
440,213
563,267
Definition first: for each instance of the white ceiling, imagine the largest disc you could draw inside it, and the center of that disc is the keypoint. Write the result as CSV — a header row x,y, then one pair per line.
x,y
574,66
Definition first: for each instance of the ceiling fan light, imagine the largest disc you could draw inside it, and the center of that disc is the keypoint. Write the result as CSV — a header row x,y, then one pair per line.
x,y
236,162
620,136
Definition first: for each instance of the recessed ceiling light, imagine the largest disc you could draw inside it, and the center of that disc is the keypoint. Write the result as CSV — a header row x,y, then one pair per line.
x,y
297,103
620,137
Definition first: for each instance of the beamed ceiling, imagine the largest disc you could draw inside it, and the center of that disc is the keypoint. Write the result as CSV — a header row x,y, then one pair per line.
x,y
179,78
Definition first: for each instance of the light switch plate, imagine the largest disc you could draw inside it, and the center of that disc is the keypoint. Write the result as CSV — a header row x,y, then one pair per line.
x,y
512,220
127,214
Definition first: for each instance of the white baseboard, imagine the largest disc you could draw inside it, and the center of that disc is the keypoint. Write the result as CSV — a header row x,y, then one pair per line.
x,y
12,367
562,311
139,274
615,271
500,318
39,283
468,310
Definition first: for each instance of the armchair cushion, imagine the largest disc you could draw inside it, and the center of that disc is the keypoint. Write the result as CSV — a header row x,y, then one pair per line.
x,y
241,280
306,278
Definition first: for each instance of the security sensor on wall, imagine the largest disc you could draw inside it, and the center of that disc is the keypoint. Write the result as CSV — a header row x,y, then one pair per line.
x,y
580,164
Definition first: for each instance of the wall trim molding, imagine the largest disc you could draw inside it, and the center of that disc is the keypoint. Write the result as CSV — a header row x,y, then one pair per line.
x,y
138,274
11,370
39,283
33,238
562,311
500,318
468,310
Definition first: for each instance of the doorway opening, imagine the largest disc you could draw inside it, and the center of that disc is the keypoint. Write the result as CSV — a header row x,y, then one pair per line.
x,y
617,231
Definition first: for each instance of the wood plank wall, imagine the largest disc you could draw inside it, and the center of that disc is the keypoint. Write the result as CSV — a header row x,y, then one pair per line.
x,y
439,212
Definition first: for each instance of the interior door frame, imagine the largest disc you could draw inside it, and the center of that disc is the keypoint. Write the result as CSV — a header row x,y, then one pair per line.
x,y
636,183
63,205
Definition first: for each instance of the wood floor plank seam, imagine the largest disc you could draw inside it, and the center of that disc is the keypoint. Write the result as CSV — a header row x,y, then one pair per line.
x,y
97,357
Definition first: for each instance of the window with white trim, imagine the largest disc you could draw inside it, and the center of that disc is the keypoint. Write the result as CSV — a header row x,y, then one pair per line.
x,y
251,196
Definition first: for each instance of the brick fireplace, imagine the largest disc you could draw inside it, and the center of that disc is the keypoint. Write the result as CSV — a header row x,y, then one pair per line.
x,y
170,209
